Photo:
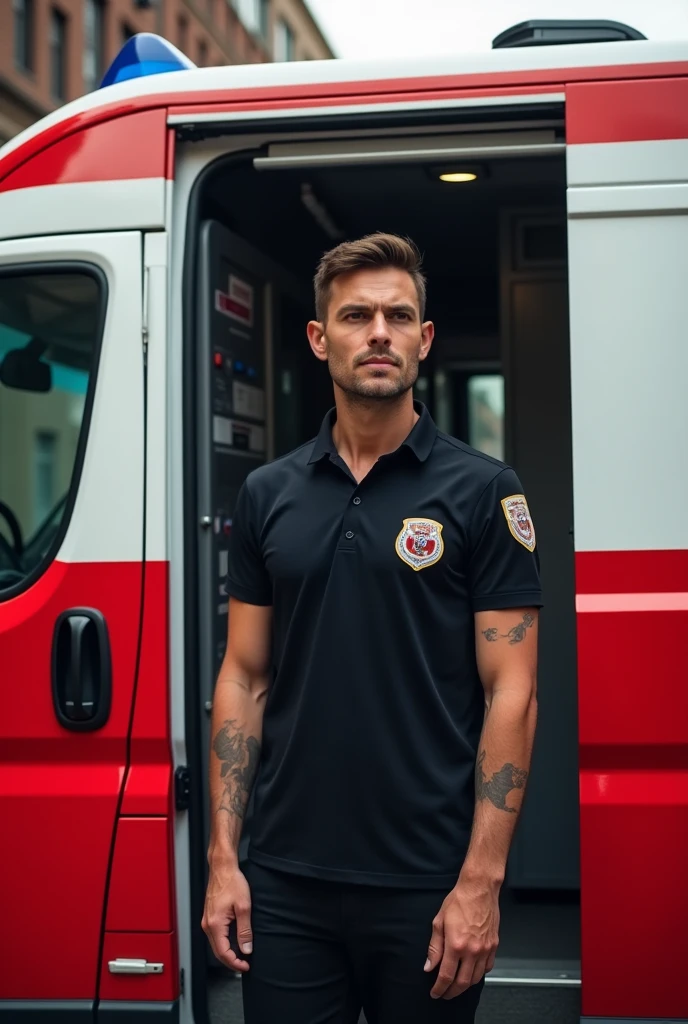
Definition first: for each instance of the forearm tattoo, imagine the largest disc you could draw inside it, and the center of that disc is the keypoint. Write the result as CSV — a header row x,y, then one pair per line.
x,y
239,756
515,635
497,789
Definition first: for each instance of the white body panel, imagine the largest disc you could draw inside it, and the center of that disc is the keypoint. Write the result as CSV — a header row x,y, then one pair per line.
x,y
627,163
629,367
137,203
156,257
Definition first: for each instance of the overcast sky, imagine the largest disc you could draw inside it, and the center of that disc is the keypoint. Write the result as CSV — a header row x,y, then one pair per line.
x,y
382,28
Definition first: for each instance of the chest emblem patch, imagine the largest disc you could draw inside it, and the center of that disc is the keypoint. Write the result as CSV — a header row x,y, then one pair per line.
x,y
519,521
420,543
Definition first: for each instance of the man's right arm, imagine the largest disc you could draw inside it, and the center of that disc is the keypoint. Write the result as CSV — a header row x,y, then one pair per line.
x,y
236,732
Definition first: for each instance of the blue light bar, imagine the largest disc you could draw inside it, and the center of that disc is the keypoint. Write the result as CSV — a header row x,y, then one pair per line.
x,y
142,55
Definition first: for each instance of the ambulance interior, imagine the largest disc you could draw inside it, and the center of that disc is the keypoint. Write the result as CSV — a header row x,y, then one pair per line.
x,y
498,377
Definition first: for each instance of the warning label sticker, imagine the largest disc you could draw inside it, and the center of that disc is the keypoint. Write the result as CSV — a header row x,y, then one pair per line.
x,y
237,301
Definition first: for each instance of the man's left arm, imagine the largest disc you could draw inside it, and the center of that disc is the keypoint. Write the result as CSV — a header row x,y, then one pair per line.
x,y
466,929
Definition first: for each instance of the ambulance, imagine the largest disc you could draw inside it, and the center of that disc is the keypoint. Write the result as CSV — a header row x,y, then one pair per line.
x,y
158,239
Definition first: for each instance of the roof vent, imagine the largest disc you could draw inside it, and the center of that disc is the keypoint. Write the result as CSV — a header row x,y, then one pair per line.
x,y
554,33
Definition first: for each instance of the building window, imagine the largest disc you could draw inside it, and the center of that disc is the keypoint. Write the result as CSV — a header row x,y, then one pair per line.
x,y
127,32
284,41
23,34
58,54
182,33
264,15
202,54
254,14
93,44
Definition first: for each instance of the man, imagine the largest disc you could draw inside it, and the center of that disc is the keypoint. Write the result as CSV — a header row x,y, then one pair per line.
x,y
380,681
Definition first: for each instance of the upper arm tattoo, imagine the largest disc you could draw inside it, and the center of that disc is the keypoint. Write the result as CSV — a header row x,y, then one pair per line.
x,y
500,785
515,635
239,756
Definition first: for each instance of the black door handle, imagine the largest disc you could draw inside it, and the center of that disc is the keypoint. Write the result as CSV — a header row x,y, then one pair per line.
x,y
81,669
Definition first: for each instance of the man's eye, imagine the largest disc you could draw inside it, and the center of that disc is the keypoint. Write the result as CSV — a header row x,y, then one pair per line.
x,y
402,316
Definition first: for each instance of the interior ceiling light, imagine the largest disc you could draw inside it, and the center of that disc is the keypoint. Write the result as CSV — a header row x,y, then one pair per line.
x,y
456,176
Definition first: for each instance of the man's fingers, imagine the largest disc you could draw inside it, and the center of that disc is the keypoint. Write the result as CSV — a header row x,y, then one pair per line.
x,y
218,936
464,975
244,933
436,947
490,962
231,960
480,970
446,974
478,973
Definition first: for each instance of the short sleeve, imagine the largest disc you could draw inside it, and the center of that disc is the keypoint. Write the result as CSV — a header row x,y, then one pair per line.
x,y
504,562
247,578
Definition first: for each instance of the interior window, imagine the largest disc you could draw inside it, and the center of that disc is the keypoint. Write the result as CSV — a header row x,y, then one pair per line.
x,y
485,404
49,331
469,404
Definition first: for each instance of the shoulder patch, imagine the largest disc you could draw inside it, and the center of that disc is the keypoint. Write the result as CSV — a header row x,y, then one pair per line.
x,y
420,543
519,520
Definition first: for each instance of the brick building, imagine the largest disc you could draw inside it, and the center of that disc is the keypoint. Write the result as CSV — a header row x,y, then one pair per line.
x,y
52,51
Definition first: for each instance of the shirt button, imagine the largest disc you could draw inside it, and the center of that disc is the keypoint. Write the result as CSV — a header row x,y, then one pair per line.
x,y
357,501
349,534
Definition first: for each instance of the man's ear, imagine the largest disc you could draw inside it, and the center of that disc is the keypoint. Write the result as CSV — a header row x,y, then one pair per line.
x,y
427,333
316,338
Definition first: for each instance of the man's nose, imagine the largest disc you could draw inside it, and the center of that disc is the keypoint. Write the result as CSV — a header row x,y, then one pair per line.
x,y
379,330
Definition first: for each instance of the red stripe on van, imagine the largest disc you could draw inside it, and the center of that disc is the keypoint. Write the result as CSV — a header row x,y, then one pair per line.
x,y
273,97
631,572
117,149
627,111
426,95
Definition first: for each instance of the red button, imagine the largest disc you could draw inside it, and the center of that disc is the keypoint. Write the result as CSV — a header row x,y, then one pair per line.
x,y
217,359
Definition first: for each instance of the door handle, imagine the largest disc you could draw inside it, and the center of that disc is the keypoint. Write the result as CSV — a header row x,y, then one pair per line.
x,y
81,669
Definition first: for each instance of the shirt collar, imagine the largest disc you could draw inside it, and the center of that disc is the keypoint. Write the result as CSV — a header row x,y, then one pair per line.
x,y
420,440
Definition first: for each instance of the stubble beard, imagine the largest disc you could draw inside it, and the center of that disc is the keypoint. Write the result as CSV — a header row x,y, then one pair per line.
x,y
377,387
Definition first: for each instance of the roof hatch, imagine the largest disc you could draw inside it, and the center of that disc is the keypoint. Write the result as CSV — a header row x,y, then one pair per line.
x,y
559,32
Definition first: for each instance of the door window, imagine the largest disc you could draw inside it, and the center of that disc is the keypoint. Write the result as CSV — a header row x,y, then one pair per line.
x,y
50,327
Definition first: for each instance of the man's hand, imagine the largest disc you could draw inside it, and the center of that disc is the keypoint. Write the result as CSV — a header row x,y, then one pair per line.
x,y
465,936
228,898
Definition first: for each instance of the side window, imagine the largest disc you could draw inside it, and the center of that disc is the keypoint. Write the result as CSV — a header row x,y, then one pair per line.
x,y
50,327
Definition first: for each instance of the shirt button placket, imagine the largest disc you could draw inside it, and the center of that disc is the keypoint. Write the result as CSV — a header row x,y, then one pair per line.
x,y
350,534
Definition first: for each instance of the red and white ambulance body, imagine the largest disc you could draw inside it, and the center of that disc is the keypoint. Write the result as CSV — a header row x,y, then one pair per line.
x,y
156,240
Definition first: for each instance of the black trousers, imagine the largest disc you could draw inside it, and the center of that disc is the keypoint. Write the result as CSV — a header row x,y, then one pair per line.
x,y
324,951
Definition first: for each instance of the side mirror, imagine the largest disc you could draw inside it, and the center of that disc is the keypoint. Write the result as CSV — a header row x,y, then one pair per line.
x,y
22,369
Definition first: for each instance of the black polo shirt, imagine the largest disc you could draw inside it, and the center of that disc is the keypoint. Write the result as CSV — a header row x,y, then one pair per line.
x,y
374,714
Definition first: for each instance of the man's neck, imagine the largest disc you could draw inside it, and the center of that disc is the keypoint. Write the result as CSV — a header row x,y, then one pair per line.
x,y
365,430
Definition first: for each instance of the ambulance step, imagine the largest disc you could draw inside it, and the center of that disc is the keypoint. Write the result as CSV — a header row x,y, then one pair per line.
x,y
529,1004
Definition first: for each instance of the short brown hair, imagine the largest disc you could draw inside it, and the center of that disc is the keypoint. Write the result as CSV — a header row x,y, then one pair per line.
x,y
376,250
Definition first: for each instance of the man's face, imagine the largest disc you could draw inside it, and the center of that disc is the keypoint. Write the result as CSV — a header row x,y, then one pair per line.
x,y
373,339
